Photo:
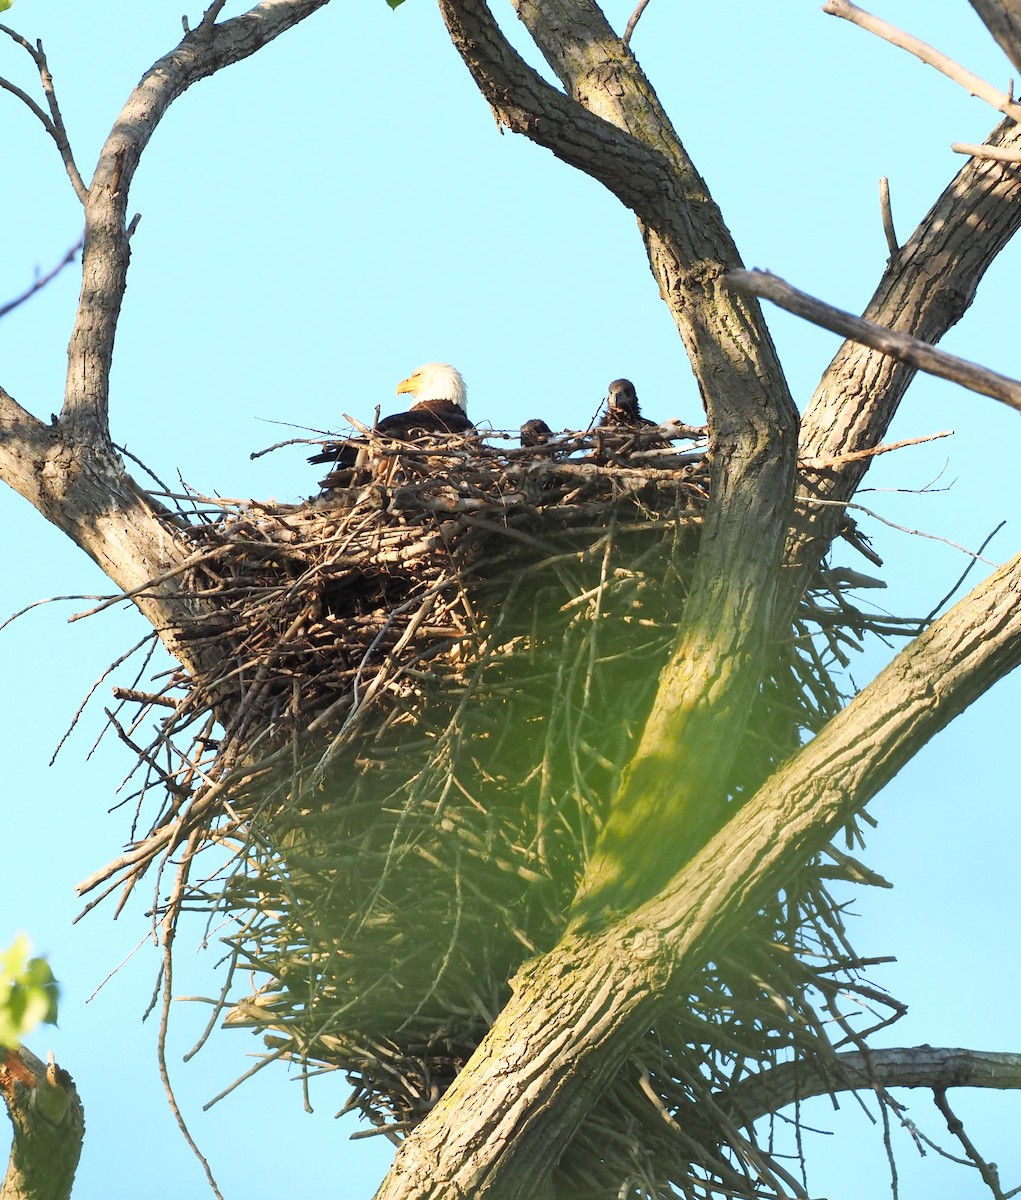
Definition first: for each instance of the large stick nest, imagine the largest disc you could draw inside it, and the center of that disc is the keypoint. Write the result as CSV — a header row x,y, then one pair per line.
x,y
427,683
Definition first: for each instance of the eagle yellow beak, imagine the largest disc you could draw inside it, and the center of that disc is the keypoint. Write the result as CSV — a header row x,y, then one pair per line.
x,y
408,385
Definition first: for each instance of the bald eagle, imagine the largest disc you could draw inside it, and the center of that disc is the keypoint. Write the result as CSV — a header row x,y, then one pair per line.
x,y
439,408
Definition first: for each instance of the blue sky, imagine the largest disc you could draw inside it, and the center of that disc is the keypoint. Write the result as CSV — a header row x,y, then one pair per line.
x,y
316,222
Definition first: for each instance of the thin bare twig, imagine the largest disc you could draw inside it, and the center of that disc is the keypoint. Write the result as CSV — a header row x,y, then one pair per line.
x,y
963,576
633,20
822,464
987,1170
43,280
900,346
804,498
884,204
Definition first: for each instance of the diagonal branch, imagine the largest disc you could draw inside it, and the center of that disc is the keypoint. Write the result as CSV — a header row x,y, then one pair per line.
x,y
201,53
900,346
43,280
70,469
54,123
600,993
633,20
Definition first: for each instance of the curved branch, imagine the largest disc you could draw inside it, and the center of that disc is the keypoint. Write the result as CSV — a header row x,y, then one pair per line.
x,y
909,1067
611,123
70,470
43,280
929,55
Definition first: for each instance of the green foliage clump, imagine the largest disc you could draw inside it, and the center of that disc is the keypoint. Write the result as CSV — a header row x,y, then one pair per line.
x,y
28,991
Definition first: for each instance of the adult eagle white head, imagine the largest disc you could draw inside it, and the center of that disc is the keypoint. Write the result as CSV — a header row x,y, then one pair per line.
x,y
435,382
439,408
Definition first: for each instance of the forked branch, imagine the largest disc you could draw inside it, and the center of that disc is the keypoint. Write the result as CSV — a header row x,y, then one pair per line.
x,y
54,123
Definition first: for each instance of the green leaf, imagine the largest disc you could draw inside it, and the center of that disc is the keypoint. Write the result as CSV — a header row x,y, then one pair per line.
x,y
392,3
28,991
6,4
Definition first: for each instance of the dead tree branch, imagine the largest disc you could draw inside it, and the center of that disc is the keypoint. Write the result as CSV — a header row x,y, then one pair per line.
x,y
860,391
54,123
752,419
988,1171
996,153
633,20
69,470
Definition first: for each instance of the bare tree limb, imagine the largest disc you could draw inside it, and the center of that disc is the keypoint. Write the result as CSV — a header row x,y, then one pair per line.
x,y
860,391
901,346
932,57
992,152
752,419
887,211
70,469
201,53
990,1175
